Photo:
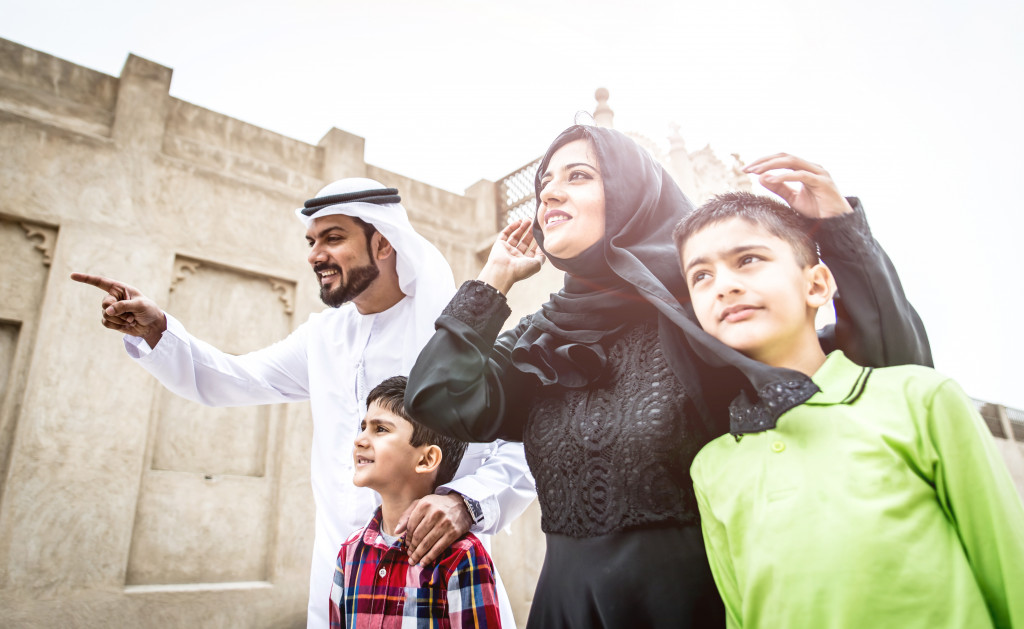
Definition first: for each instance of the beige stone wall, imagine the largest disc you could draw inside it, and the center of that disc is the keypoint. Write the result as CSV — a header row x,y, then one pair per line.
x,y
121,504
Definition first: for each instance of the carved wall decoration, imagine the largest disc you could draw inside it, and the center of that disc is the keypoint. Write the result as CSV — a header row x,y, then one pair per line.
x,y
44,238
183,267
22,286
286,293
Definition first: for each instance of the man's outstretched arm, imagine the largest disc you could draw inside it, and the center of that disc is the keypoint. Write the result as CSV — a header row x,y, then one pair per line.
x,y
196,370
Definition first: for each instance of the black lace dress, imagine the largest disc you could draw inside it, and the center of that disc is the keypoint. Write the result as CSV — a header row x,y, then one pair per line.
x,y
611,461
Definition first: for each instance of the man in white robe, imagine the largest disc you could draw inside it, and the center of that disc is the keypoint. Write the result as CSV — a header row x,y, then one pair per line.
x,y
386,285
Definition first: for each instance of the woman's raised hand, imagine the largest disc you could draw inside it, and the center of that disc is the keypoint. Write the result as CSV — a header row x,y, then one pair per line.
x,y
805,186
515,256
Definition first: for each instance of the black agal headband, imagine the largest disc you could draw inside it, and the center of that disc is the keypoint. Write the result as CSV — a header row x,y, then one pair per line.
x,y
380,196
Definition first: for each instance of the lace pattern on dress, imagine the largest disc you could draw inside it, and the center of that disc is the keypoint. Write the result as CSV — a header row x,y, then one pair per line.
x,y
616,455
774,400
480,306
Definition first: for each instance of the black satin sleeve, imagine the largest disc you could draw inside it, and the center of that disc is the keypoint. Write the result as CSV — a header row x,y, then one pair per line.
x,y
875,324
463,383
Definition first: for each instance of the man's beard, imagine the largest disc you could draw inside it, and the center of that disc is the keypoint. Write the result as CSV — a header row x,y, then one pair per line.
x,y
352,284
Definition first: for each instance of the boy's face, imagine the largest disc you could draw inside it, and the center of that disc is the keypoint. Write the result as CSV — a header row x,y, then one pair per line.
x,y
382,455
747,288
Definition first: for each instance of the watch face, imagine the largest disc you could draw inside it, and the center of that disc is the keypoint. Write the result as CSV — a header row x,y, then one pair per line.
x,y
475,511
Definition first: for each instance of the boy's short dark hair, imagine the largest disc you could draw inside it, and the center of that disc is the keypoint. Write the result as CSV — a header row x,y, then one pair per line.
x,y
777,218
390,395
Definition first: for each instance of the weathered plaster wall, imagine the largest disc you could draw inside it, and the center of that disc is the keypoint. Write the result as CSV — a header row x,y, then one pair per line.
x,y
121,504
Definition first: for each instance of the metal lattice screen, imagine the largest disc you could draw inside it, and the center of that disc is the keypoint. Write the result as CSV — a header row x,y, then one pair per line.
x,y
990,413
1016,418
516,199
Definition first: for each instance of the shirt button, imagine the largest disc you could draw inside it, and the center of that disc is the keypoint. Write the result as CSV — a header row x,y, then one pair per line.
x,y
382,572
778,446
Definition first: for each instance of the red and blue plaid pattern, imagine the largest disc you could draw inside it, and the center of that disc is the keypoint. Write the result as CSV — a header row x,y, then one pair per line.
x,y
374,585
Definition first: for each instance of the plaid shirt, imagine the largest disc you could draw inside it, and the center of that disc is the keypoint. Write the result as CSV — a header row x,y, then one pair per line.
x,y
374,585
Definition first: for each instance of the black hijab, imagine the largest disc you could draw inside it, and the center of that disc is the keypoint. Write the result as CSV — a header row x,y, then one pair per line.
x,y
631,274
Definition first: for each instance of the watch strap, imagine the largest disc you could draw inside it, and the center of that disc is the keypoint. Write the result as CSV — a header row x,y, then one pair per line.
x,y
476,511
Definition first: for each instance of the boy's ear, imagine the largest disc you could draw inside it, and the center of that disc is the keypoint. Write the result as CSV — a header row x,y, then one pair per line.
x,y
430,459
820,285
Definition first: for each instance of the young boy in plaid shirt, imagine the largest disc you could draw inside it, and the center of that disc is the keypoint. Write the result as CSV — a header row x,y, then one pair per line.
x,y
374,584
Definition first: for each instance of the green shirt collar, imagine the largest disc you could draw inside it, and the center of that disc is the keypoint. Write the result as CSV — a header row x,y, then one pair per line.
x,y
839,380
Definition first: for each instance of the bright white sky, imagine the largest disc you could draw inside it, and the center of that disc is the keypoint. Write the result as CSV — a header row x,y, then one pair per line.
x,y
915,106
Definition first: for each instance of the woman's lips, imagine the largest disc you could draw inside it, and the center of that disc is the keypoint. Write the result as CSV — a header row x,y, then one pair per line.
x,y
555,217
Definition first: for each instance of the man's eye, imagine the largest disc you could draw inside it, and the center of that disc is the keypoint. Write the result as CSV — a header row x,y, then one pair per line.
x,y
697,277
381,429
748,259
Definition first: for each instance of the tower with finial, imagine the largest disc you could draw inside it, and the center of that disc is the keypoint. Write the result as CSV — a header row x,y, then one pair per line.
x,y
603,114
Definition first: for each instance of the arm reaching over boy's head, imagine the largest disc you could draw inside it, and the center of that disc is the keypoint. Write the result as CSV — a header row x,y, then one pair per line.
x,y
875,323
814,196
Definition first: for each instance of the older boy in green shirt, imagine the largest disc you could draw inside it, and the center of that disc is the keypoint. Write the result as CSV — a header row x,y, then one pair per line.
x,y
879,502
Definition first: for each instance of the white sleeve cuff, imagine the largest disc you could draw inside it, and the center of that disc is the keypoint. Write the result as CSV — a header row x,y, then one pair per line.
x,y
471,488
139,349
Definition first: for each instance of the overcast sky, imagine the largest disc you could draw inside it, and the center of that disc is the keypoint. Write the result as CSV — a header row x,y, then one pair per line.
x,y
914,106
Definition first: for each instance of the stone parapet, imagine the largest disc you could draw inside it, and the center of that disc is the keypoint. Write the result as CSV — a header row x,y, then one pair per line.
x,y
40,87
242,151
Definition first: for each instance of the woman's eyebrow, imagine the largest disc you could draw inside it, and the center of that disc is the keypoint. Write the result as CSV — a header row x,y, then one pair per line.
x,y
547,173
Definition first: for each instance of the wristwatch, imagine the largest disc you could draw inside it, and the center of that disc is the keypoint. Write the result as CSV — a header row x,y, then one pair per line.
x,y
476,512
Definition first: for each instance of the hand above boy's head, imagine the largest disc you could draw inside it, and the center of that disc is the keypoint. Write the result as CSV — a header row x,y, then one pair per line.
x,y
815,195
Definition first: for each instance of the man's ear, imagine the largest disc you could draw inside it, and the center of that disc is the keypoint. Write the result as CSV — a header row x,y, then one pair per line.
x,y
820,285
384,248
430,459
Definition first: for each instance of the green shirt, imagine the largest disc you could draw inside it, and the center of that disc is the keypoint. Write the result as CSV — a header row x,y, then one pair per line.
x,y
880,502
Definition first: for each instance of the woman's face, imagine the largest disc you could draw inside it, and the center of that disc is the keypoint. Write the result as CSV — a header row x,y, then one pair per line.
x,y
571,211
